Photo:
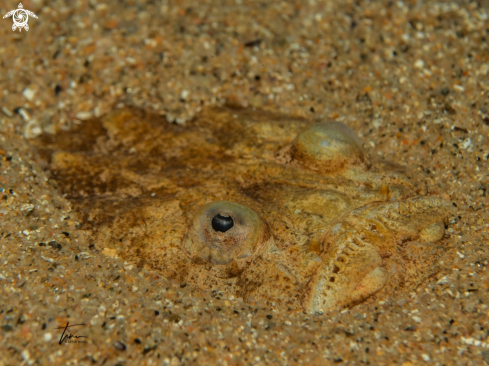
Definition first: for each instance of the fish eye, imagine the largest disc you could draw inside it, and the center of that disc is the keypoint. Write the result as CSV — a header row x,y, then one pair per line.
x,y
224,231
328,146
222,223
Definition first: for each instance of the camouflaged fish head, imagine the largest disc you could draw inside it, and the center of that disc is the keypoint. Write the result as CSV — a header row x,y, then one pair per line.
x,y
270,208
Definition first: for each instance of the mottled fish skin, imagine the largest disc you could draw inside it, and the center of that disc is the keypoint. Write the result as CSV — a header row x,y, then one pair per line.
x,y
272,208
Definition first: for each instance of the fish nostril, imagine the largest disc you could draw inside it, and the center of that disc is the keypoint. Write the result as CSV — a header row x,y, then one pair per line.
x,y
222,223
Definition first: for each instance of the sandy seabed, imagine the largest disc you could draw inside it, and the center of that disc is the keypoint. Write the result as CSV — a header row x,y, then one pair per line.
x,y
410,77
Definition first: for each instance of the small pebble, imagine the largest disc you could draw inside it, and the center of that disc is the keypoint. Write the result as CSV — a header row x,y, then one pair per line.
x,y
84,115
7,111
27,208
466,143
119,345
417,319
32,129
184,94
419,64
23,113
109,252
28,94
443,281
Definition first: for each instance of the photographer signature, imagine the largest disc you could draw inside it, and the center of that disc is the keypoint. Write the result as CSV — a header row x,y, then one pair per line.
x,y
69,335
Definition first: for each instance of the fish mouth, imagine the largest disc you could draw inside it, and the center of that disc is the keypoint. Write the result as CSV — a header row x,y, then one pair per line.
x,y
350,272
352,268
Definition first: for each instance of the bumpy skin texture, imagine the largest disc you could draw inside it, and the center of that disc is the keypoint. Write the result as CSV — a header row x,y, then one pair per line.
x,y
315,223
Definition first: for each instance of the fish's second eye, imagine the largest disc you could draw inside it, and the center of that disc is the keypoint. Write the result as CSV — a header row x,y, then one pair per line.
x,y
328,147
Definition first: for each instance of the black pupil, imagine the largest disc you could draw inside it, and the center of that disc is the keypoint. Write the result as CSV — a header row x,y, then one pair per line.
x,y
222,223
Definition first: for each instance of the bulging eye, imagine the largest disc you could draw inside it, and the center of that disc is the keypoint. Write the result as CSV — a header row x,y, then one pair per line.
x,y
224,231
328,146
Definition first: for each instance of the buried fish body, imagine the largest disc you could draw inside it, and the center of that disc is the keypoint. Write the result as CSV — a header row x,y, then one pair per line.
x,y
268,207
